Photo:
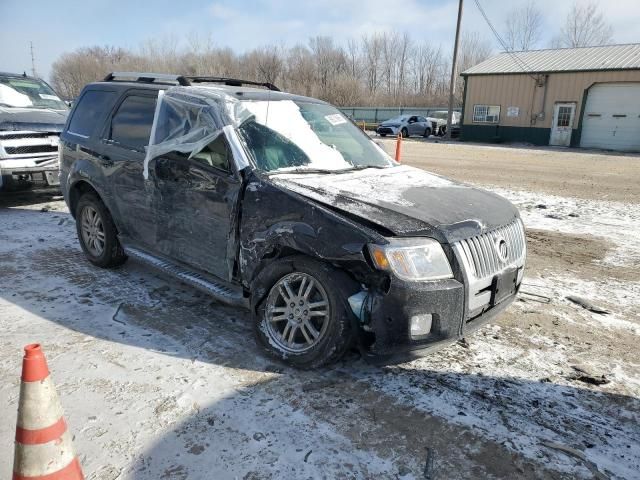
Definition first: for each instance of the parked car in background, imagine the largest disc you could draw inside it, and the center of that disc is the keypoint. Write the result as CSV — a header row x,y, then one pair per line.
x,y
278,203
441,117
407,126
31,119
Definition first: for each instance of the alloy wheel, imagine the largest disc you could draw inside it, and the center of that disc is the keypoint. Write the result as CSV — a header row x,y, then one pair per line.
x,y
93,234
297,313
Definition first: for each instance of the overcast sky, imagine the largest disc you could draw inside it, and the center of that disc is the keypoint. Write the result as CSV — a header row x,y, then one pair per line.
x,y
63,25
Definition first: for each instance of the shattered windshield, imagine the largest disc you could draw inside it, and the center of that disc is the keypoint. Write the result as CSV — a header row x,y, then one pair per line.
x,y
291,136
28,93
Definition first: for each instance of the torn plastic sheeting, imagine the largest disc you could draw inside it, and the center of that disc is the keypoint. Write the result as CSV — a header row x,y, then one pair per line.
x,y
187,119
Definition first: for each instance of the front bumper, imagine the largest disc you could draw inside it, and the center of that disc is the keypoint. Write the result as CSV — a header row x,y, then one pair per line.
x,y
387,130
14,177
390,316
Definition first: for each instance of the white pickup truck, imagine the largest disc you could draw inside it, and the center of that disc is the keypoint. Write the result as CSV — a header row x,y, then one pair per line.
x,y
31,119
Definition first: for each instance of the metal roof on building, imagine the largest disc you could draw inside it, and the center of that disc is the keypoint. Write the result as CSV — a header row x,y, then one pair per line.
x,y
609,57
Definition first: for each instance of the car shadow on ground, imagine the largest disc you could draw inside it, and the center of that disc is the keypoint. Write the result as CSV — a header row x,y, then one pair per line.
x,y
356,420
29,197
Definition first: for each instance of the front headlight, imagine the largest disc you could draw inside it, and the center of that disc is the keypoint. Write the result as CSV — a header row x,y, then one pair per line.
x,y
412,259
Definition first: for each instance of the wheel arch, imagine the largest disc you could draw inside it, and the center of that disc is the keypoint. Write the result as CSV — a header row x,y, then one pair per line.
x,y
259,287
76,191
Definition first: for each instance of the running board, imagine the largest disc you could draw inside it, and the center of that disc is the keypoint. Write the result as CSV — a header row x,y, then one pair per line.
x,y
206,283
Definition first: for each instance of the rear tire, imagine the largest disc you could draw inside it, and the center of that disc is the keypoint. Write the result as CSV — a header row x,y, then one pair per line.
x,y
383,134
304,332
97,233
404,132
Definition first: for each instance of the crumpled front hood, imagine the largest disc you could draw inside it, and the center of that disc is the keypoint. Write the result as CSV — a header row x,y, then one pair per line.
x,y
406,201
32,119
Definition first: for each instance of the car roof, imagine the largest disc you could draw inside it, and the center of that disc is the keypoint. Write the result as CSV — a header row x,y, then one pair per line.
x,y
17,75
202,90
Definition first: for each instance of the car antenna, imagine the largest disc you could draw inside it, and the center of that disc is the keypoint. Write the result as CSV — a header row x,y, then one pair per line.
x,y
266,119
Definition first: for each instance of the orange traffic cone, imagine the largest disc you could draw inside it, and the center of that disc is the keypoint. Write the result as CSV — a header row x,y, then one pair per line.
x,y
44,450
398,147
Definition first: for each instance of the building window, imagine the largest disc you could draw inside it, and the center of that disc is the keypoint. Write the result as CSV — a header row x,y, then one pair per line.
x,y
486,113
564,116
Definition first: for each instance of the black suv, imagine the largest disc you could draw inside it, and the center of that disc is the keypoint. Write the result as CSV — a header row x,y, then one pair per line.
x,y
280,204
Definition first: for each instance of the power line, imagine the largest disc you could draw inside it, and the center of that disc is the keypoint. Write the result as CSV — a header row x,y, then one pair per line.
x,y
519,61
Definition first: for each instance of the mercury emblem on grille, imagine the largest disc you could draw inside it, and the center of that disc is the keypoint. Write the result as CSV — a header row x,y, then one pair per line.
x,y
502,249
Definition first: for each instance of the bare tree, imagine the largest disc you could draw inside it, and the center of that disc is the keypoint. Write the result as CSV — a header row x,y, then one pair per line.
x,y
264,64
426,67
386,69
473,50
585,26
372,53
74,70
524,27
300,71
330,60
353,57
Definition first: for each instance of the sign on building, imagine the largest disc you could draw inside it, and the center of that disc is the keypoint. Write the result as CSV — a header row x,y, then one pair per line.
x,y
513,111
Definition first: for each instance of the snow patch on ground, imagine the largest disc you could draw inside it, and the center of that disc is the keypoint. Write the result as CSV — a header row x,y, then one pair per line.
x,y
616,221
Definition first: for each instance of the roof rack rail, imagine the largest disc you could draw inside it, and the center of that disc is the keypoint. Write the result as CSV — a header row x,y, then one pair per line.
x,y
234,82
184,80
162,78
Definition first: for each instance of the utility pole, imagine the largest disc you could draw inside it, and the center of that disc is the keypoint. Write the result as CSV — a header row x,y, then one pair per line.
x,y
454,68
33,61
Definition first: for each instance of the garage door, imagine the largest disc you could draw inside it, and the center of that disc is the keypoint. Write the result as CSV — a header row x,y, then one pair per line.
x,y
612,117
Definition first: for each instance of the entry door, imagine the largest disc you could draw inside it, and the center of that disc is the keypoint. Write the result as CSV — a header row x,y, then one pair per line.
x,y
413,126
196,205
562,125
124,139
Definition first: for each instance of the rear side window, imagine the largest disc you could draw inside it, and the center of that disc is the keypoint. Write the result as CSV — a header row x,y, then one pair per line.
x,y
90,108
131,124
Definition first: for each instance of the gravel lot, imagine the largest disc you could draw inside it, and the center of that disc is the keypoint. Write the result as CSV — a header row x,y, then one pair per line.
x,y
158,381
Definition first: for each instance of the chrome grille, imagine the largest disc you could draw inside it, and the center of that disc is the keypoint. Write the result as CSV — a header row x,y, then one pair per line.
x,y
31,149
26,144
481,254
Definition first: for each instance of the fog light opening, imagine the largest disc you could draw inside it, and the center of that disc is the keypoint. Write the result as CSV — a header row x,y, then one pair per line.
x,y
420,325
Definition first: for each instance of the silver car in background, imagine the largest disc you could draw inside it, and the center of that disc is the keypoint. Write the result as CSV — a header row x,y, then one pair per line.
x,y
408,125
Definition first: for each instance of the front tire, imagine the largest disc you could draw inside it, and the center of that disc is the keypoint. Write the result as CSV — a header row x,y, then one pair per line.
x,y
427,133
303,318
404,132
97,233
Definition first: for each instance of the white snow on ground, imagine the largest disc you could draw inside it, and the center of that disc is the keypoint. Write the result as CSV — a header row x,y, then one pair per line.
x,y
127,389
521,410
159,382
616,221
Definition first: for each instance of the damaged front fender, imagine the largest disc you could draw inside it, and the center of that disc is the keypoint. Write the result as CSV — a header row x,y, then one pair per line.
x,y
276,222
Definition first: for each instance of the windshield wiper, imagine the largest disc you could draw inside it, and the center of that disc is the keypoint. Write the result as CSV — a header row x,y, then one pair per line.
x,y
301,170
361,167
324,170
